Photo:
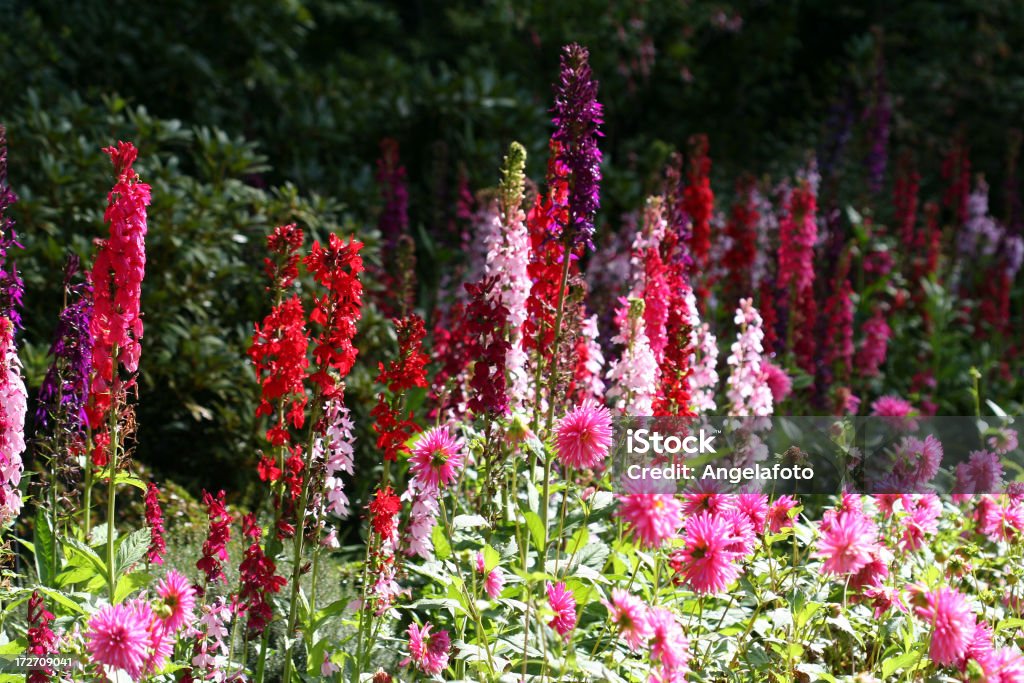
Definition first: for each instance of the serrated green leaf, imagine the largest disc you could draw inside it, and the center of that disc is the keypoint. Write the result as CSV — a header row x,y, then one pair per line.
x,y
131,549
47,561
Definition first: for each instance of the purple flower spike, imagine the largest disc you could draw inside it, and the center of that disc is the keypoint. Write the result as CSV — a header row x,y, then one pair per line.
x,y
577,120
65,389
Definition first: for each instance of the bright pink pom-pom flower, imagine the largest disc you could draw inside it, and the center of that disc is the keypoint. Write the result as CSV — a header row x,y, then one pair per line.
x,y
652,517
899,412
847,542
563,603
429,650
584,435
118,637
494,582
179,600
1004,665
778,514
669,646
629,614
777,380
952,624
436,458
706,563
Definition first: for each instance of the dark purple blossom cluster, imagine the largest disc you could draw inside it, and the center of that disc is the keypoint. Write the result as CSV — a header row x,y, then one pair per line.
x,y
11,286
65,389
577,119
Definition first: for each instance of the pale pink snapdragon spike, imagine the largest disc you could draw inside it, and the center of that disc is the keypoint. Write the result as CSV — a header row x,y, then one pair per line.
x,y
422,520
634,376
767,227
210,658
704,376
748,391
13,406
339,459
508,255
589,375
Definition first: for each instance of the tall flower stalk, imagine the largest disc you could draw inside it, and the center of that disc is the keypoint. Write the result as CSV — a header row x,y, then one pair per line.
x,y
116,329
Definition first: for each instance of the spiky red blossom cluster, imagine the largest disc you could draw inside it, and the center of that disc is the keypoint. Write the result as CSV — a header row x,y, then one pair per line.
x,y
155,522
337,267
282,266
215,551
486,319
798,232
116,325
383,508
546,221
258,578
839,333
279,354
406,372
41,639
742,232
699,200
674,397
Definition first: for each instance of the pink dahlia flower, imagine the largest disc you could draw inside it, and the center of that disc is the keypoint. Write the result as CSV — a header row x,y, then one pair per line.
x,y
563,603
429,650
436,458
707,562
652,517
848,543
899,411
584,435
629,614
952,623
669,646
778,514
777,380
118,637
178,600
494,582
1004,665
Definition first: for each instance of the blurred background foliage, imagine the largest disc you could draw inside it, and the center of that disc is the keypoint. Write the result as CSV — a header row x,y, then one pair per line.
x,y
252,113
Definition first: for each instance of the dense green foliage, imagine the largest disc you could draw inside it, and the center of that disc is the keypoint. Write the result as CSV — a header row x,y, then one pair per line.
x,y
266,111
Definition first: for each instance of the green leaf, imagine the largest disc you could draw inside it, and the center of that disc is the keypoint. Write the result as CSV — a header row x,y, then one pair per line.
x,y
131,480
894,664
491,559
62,599
79,554
73,575
578,540
47,562
128,583
442,548
131,549
537,530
